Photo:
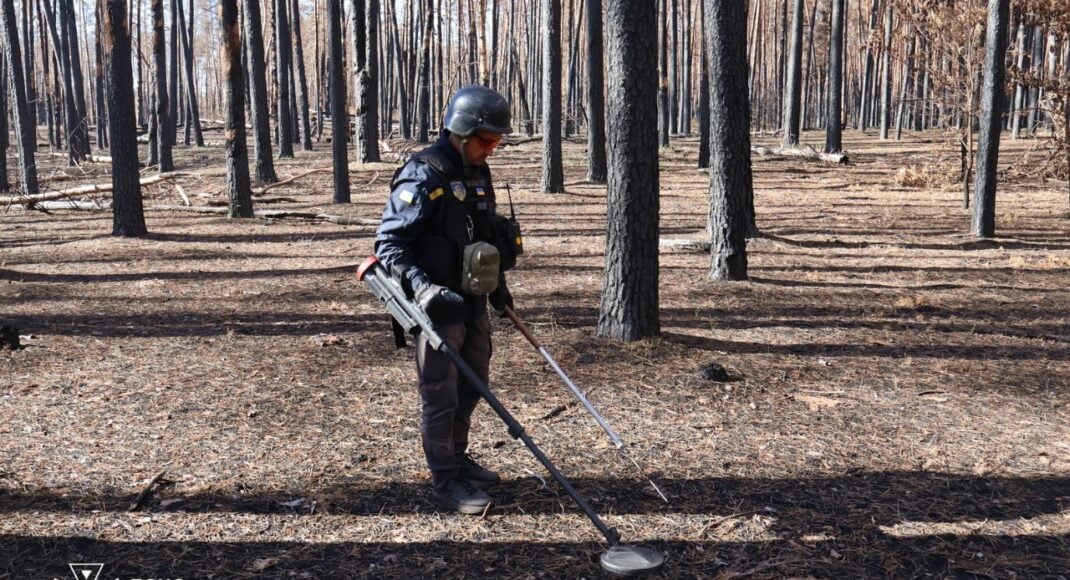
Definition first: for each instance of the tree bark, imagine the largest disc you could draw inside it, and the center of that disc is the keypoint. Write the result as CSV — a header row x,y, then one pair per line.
x,y
78,79
596,100
282,73
424,83
704,93
128,214
163,108
239,193
663,74
553,178
793,77
983,221
191,83
629,306
265,164
27,134
886,74
302,80
77,148
339,118
833,131
368,87
731,179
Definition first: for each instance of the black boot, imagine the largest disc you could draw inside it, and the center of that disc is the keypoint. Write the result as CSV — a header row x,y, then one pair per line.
x,y
463,497
476,474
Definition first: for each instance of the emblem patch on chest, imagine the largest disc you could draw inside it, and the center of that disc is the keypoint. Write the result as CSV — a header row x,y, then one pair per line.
x,y
458,190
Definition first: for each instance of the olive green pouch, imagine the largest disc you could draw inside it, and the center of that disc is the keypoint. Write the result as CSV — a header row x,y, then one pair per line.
x,y
479,269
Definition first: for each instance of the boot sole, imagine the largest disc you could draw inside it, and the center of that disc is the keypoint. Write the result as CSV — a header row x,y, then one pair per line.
x,y
467,509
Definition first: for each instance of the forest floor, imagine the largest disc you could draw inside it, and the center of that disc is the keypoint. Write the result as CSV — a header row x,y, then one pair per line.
x,y
900,402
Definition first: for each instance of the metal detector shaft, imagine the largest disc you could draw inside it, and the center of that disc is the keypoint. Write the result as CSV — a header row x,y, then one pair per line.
x,y
414,320
617,442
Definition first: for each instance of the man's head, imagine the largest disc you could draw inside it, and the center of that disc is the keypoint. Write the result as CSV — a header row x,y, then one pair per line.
x,y
477,118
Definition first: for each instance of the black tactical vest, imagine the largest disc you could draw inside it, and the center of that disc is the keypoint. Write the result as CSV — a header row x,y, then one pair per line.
x,y
462,212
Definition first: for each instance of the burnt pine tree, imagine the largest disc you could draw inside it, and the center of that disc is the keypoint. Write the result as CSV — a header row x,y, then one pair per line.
x,y
77,149
172,80
703,94
194,120
833,132
731,180
983,221
553,176
5,183
663,74
258,108
596,100
77,78
302,84
24,128
128,214
282,73
793,79
629,307
339,119
368,89
423,85
163,107
239,196
886,75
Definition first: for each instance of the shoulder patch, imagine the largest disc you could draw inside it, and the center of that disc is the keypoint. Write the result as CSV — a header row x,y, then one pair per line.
x,y
406,196
437,193
458,190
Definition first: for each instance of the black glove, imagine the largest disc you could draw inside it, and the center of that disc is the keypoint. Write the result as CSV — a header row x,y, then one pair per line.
x,y
439,303
501,298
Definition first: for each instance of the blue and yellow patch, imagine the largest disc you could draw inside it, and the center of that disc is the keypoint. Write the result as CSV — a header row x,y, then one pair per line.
x,y
437,193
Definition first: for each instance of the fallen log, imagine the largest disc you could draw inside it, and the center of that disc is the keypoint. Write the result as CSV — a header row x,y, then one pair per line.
x,y
803,151
30,200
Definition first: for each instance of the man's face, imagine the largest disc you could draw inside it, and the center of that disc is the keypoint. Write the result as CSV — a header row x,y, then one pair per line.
x,y
479,146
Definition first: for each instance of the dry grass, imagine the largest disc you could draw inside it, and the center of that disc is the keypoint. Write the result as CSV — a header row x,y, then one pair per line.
x,y
901,409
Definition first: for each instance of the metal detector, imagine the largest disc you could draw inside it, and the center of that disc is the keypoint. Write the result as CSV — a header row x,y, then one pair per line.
x,y
617,442
619,559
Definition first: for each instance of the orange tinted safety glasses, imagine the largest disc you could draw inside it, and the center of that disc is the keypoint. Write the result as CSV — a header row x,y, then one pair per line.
x,y
488,143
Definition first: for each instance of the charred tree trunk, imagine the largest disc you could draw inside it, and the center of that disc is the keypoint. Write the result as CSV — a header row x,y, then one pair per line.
x,y
596,100
553,177
163,109
731,179
886,74
173,94
5,183
28,69
74,125
302,80
98,79
77,78
339,119
704,93
128,214
265,164
983,222
868,76
629,306
423,102
194,120
368,87
239,196
834,115
282,73
793,77
20,108
663,74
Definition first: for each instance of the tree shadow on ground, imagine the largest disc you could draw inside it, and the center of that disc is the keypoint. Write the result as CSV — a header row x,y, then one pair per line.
x,y
842,526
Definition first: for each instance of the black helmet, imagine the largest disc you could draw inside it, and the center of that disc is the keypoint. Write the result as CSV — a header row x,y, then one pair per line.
x,y
475,108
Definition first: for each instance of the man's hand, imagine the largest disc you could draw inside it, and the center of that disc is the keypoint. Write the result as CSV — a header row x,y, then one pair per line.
x,y
501,298
438,302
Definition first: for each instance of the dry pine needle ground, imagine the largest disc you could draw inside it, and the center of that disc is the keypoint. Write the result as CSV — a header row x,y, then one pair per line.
x,y
899,408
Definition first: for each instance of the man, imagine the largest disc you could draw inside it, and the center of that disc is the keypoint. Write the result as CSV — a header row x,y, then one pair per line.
x,y
442,237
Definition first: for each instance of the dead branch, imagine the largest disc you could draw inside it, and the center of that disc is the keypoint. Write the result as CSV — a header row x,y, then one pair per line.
x,y
268,187
803,151
141,497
